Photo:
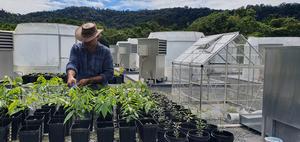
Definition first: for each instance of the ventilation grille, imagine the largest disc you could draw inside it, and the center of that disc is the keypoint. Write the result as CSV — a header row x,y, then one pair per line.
x,y
133,48
6,40
162,47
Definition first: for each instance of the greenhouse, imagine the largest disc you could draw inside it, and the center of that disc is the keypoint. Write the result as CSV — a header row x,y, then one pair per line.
x,y
217,75
42,47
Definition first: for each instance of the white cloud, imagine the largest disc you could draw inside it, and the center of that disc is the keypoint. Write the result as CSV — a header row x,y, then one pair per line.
x,y
215,4
24,6
27,6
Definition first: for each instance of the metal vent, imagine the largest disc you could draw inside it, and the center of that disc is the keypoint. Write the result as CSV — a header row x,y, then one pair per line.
x,y
162,47
6,39
133,48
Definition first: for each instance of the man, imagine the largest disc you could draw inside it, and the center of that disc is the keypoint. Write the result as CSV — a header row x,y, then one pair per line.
x,y
90,62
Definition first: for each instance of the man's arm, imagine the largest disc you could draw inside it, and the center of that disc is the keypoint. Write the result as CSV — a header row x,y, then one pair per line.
x,y
71,67
91,80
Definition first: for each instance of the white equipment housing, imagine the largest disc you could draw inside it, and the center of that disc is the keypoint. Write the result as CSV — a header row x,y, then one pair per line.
x,y
152,52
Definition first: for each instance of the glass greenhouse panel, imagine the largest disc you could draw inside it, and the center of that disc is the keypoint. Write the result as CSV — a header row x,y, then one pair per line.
x,y
219,74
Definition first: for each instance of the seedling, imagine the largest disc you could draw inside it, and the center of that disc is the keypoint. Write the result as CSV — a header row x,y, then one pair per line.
x,y
105,101
80,103
176,129
200,126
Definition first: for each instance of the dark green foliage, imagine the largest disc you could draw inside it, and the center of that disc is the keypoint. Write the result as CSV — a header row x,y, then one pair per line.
x,y
244,20
258,20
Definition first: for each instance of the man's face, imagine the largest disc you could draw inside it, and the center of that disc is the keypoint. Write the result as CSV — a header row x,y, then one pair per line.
x,y
91,43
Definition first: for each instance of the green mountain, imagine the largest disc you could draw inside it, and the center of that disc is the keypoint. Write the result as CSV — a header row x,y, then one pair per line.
x,y
259,20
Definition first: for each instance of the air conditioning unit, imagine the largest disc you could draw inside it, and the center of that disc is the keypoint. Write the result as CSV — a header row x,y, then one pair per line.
x,y
6,53
128,55
152,53
114,49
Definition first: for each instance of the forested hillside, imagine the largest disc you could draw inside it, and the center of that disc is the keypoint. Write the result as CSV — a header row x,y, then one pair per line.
x,y
258,20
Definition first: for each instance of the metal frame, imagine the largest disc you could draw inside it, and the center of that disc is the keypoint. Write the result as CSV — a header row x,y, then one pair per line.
x,y
188,76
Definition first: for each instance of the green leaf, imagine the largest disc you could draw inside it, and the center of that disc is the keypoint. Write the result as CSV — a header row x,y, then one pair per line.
x,y
70,114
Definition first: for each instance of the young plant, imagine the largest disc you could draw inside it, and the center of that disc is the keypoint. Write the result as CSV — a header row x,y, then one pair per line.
x,y
105,101
130,105
12,97
188,117
176,129
200,127
80,103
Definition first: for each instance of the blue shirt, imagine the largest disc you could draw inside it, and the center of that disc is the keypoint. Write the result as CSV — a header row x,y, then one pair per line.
x,y
87,64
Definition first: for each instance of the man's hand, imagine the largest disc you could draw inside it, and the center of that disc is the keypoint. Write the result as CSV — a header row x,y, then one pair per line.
x,y
71,78
71,81
83,82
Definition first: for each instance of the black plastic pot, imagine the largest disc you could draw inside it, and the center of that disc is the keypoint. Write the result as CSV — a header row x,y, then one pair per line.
x,y
56,130
108,117
60,114
85,121
80,132
161,130
194,136
105,131
4,129
169,135
51,107
147,129
210,127
36,120
30,133
46,112
127,131
187,126
221,136
25,114
16,125
195,120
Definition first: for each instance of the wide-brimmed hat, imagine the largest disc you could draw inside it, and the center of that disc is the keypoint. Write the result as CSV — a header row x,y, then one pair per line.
x,y
87,32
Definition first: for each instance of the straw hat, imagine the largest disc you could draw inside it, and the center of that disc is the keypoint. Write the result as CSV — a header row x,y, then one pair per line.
x,y
87,32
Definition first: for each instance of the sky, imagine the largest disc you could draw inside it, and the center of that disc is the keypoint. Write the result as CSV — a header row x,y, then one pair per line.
x,y
27,6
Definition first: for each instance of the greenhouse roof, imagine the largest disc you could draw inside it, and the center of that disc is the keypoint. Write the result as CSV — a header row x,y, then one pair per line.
x,y
205,48
177,36
45,29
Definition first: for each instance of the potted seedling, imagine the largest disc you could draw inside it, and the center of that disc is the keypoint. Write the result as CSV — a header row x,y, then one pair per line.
x,y
4,121
147,129
131,106
163,124
30,133
80,108
187,126
5,124
35,120
147,126
104,103
221,135
127,127
56,130
12,100
175,135
199,135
